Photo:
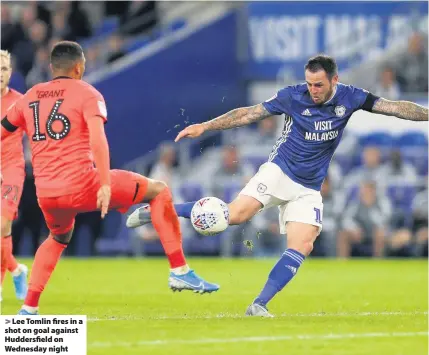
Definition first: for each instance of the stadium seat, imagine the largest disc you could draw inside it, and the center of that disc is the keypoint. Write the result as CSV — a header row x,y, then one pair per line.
x,y
136,44
255,161
230,192
401,196
418,157
412,139
379,139
198,245
191,191
107,26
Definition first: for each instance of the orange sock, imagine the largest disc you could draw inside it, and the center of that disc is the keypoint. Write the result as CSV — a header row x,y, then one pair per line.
x,y
47,257
11,263
166,223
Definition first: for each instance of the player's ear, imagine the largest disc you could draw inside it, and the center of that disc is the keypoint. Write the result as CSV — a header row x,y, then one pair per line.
x,y
335,79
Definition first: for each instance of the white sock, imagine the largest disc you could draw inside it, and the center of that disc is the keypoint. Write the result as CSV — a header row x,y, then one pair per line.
x,y
30,309
181,270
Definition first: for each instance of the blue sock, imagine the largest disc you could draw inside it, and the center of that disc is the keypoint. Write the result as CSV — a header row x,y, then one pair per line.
x,y
184,209
280,275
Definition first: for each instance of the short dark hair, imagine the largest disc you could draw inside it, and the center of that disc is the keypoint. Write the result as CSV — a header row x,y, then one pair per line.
x,y
322,62
65,54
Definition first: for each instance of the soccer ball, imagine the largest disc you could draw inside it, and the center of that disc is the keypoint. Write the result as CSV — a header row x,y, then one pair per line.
x,y
210,216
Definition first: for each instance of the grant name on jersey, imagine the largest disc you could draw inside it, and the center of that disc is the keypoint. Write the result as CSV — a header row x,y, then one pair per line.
x,y
322,136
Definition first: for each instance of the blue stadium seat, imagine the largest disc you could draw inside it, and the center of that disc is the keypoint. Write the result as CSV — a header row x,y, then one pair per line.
x,y
198,245
401,196
177,24
191,191
412,139
377,139
230,192
136,44
255,161
108,26
418,157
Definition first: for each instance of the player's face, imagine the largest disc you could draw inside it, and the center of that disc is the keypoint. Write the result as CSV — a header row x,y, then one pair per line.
x,y
319,85
6,72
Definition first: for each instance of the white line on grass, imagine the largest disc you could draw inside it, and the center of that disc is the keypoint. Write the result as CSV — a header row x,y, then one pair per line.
x,y
257,339
284,315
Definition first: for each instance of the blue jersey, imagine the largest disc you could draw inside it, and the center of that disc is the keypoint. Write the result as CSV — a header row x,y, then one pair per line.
x,y
312,132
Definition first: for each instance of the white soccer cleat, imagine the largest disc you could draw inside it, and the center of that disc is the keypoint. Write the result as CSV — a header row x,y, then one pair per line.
x,y
256,310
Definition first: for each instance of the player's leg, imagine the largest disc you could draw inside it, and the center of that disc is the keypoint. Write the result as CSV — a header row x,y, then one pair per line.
x,y
302,219
60,223
250,200
11,195
129,188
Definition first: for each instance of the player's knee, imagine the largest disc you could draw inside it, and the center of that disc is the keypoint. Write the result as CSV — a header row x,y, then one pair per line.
x,y
6,227
301,237
64,238
155,187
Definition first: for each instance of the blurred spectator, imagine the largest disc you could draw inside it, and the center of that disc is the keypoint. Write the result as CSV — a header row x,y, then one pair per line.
x,y
92,59
40,70
60,27
115,48
231,171
364,225
412,70
264,234
116,8
163,169
8,29
387,86
368,171
141,16
396,170
420,221
78,21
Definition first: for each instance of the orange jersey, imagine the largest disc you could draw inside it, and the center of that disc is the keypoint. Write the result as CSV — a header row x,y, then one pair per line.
x,y
55,117
12,150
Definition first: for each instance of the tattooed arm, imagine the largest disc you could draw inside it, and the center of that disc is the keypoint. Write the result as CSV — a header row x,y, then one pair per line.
x,y
236,118
402,109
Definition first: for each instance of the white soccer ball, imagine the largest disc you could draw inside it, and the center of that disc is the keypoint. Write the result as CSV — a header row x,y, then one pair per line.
x,y
210,216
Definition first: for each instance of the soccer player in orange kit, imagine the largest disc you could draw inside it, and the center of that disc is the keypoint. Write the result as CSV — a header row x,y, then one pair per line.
x,y
13,176
64,120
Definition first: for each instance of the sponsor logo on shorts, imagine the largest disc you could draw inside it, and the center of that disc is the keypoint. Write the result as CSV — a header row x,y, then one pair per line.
x,y
262,188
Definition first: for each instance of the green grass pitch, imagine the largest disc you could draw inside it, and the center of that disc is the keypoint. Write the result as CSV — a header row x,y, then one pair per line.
x,y
332,307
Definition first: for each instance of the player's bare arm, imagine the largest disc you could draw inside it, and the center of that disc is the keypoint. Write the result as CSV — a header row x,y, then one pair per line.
x,y
236,118
405,110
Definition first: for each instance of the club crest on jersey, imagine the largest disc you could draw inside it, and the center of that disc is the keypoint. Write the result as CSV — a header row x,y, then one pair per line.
x,y
340,111
261,188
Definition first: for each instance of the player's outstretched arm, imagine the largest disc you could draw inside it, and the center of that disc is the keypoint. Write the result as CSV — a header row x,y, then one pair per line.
x,y
402,109
236,118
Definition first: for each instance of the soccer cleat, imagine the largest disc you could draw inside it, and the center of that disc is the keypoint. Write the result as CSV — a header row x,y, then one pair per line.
x,y
23,312
192,282
20,282
139,217
257,310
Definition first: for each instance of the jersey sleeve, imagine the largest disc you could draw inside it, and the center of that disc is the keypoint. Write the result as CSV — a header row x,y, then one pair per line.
x,y
14,117
362,99
94,105
280,102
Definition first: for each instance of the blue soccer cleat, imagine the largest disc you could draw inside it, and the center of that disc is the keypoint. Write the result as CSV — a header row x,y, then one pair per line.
x,y
192,282
20,283
139,217
23,312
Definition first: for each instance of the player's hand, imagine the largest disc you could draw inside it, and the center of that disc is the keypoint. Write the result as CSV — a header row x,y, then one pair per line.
x,y
103,199
191,131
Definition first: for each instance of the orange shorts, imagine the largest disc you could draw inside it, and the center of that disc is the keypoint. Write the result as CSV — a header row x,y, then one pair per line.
x,y
60,212
11,191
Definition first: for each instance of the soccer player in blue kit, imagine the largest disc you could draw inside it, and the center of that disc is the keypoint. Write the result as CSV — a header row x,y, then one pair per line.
x,y
316,113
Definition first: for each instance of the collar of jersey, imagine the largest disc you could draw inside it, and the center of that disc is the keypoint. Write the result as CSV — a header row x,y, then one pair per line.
x,y
61,77
333,95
